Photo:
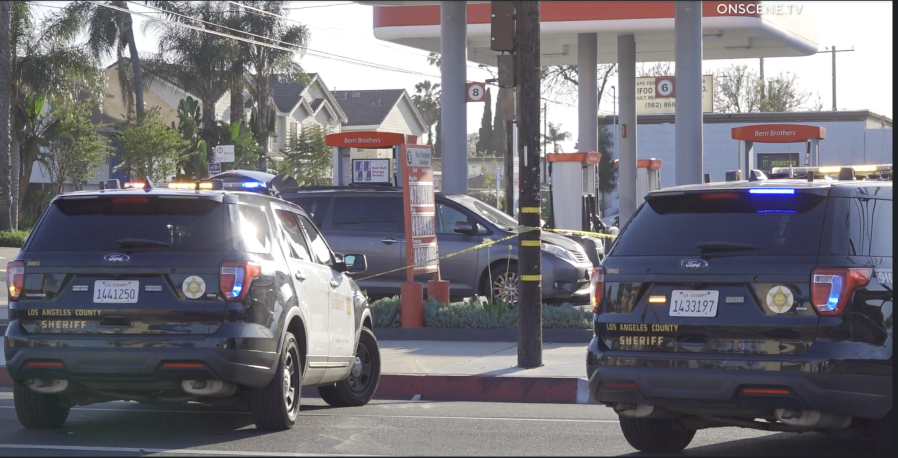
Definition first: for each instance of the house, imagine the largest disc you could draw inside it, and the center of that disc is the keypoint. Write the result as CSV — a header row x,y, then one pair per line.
x,y
379,110
163,96
297,105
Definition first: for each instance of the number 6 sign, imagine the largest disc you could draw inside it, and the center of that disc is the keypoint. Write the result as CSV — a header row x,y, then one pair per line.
x,y
664,87
476,92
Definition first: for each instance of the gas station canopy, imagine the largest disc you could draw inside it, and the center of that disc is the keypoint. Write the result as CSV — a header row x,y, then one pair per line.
x,y
731,29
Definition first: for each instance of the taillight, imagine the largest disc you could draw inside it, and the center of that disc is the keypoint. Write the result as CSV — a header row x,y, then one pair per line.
x,y
236,277
15,279
597,286
831,289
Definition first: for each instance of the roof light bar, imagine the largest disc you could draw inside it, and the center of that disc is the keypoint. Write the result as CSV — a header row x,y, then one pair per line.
x,y
771,191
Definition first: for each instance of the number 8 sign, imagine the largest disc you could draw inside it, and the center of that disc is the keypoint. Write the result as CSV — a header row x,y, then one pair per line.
x,y
664,87
476,92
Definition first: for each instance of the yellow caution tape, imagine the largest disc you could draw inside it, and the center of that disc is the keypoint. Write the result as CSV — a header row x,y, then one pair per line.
x,y
520,229
531,277
529,209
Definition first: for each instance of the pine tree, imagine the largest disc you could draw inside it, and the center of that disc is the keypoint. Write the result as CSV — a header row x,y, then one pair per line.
x,y
485,143
498,135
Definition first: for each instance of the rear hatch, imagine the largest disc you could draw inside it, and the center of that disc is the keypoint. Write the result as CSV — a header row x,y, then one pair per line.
x,y
125,264
715,271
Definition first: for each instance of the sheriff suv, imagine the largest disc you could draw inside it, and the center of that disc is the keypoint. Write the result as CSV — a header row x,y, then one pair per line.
x,y
762,304
185,295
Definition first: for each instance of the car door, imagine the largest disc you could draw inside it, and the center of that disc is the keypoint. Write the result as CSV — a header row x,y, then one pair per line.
x,y
341,314
313,289
460,270
371,225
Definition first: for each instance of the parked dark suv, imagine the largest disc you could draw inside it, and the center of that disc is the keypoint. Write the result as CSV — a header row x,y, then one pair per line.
x,y
163,295
370,221
761,304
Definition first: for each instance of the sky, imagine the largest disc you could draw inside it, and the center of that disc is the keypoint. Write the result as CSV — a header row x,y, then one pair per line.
x,y
340,28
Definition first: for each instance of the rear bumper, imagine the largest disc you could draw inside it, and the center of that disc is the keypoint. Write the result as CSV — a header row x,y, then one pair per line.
x,y
563,280
137,361
721,391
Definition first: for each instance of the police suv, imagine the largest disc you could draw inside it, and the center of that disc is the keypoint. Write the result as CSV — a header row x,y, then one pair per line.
x,y
186,293
763,304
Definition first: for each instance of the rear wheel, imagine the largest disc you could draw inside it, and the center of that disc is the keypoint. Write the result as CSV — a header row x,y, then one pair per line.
x,y
882,435
39,410
359,387
655,436
276,406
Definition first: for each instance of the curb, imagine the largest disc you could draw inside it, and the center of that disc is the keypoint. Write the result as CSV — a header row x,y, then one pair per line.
x,y
582,336
462,388
477,388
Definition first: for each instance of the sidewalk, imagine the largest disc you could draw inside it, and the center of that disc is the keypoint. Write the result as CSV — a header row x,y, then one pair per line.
x,y
469,371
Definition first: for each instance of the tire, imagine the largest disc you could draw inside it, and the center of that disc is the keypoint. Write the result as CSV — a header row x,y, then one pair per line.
x,y
504,283
359,387
38,410
276,406
655,436
882,435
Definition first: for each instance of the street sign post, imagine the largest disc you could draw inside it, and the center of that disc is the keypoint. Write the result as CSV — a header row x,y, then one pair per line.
x,y
214,169
224,153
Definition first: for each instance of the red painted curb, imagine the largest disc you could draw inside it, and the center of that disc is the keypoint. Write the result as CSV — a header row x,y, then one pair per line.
x,y
474,388
465,388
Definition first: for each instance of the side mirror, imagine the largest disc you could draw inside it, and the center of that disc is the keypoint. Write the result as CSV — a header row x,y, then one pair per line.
x,y
464,227
353,263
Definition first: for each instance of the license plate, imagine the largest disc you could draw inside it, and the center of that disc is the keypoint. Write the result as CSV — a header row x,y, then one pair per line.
x,y
115,291
694,303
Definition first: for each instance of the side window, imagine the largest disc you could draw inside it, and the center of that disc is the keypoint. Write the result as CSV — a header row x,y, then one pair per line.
x,y
368,214
319,247
448,216
298,248
862,227
252,231
315,207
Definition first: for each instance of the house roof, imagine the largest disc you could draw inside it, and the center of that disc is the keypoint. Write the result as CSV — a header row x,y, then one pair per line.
x,y
368,108
286,94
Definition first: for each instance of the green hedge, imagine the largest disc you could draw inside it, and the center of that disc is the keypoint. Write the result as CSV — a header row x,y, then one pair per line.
x,y
13,239
478,315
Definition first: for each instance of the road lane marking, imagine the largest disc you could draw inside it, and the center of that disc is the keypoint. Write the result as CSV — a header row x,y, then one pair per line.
x,y
310,414
183,451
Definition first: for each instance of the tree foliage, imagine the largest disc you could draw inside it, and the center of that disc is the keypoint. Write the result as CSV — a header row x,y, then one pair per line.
x,y
555,135
74,150
427,101
246,150
194,163
738,89
562,81
485,144
307,158
149,148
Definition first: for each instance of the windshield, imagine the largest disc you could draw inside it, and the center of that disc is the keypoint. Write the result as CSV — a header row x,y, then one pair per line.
x,y
492,214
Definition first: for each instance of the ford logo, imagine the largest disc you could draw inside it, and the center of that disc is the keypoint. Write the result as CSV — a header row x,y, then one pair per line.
x,y
116,258
693,264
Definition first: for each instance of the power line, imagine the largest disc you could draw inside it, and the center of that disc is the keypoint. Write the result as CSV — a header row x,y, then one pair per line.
x,y
319,6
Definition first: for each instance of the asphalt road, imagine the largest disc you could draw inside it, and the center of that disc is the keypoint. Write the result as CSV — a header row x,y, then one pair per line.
x,y
381,428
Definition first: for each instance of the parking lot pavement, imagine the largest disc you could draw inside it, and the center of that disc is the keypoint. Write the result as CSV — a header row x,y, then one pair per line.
x,y
380,428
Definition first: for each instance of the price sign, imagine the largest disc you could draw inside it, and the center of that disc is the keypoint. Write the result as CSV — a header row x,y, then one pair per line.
x,y
420,210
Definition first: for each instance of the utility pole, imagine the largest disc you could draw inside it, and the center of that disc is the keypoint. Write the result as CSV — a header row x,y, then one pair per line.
x,y
763,81
833,50
544,161
527,52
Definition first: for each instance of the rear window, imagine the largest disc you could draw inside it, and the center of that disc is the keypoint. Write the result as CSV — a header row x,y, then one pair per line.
x,y
860,227
125,222
765,225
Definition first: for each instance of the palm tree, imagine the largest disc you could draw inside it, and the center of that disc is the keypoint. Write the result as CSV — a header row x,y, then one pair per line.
x,y
267,62
107,29
236,75
555,135
42,66
194,60
5,195
427,101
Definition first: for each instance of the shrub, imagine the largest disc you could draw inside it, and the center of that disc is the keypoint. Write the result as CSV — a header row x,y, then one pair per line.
x,y
478,314
13,239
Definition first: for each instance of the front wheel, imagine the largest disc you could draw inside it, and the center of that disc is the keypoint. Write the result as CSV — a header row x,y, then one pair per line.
x,y
359,387
39,410
504,284
276,405
654,435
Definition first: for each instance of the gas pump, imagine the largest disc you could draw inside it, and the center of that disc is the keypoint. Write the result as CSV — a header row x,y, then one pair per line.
x,y
648,177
